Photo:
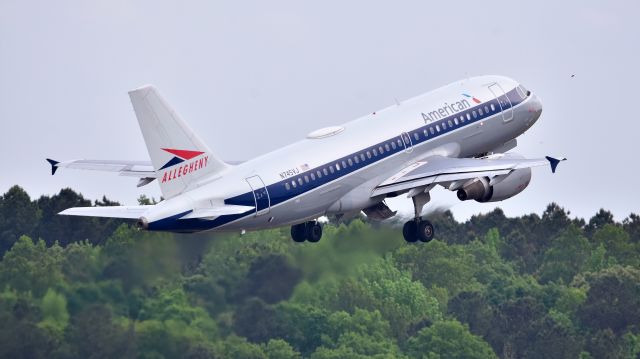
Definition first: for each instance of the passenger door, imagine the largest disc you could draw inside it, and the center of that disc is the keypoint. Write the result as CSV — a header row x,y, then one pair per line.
x,y
260,195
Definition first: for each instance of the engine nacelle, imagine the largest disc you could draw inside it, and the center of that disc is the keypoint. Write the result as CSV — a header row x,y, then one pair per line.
x,y
480,190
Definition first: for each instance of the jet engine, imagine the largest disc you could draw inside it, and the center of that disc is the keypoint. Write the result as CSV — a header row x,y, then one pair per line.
x,y
481,189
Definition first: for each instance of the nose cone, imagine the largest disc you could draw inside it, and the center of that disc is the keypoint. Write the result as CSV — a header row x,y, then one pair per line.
x,y
535,109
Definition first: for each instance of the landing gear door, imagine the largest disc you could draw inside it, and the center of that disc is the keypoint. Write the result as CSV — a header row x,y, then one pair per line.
x,y
260,195
503,101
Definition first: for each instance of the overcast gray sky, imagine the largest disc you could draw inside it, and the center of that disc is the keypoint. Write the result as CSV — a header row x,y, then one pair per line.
x,y
250,77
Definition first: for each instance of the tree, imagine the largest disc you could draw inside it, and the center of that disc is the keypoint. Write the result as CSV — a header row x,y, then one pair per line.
x,y
30,266
381,286
448,339
93,334
617,243
568,255
441,265
613,299
238,348
598,221
279,349
55,316
18,216
473,309
631,224
272,278
254,320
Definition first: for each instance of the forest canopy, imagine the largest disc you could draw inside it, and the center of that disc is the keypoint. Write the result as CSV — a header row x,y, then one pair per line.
x,y
548,286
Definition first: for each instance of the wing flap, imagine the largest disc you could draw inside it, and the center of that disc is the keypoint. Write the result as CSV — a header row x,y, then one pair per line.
x,y
222,210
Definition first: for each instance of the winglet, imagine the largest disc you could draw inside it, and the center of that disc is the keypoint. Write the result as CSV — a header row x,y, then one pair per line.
x,y
54,165
554,162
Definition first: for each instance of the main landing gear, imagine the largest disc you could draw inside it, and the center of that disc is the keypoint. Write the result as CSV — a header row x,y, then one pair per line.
x,y
418,229
308,231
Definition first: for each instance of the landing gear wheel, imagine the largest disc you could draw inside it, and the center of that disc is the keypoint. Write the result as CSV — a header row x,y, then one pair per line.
x,y
409,231
314,231
298,232
424,231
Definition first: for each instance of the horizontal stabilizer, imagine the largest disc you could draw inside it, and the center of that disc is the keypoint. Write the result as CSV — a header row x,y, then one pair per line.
x,y
134,212
218,211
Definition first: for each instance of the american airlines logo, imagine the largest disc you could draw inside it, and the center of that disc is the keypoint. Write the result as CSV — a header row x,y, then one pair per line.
x,y
449,109
180,157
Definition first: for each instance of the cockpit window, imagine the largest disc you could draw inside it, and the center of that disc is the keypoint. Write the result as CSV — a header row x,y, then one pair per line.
x,y
522,91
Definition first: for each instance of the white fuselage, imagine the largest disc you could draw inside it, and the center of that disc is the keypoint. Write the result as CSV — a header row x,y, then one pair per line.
x,y
292,195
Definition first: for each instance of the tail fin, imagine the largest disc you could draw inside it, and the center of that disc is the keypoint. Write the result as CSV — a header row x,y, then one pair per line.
x,y
178,156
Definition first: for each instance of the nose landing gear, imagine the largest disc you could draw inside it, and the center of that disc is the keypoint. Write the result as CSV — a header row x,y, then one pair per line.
x,y
308,231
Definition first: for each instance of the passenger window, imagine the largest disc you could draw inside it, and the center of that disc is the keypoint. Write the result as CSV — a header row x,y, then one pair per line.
x,y
368,154
399,143
362,157
468,116
456,121
426,134
319,174
337,166
350,162
437,128
300,181
486,109
293,183
386,147
475,115
331,169
324,170
444,125
355,158
450,123
493,108
286,186
416,136
480,111
431,130
313,177
306,179
381,150
375,152
393,145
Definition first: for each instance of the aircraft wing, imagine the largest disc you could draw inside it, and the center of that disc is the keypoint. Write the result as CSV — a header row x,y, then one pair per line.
x,y
136,212
141,169
452,171
108,211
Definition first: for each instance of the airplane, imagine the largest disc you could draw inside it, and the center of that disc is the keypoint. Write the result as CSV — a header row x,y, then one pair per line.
x,y
457,136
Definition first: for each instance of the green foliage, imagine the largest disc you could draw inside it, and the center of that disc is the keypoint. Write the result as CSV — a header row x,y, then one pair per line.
x,y
280,349
448,339
568,256
526,287
31,267
613,299
55,316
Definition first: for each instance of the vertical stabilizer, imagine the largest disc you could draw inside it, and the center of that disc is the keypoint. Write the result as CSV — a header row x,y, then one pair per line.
x,y
178,155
